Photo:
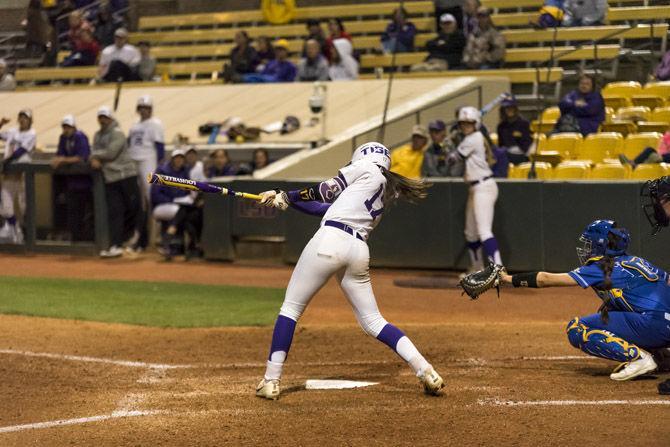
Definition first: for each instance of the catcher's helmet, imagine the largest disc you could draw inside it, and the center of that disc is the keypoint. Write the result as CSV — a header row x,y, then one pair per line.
x,y
375,152
654,193
602,238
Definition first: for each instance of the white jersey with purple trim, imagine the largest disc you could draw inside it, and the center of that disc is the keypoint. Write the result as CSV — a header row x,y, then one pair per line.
x,y
360,203
473,150
14,139
142,138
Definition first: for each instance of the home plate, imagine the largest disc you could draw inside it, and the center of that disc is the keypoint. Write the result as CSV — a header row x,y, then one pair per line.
x,y
335,384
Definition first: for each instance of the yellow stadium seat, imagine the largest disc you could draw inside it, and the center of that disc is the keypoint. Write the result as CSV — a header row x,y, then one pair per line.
x,y
609,114
571,171
637,142
547,126
661,89
616,101
542,169
622,127
563,143
633,113
598,146
494,138
624,88
661,114
608,171
647,171
666,168
653,126
651,101
551,114
512,171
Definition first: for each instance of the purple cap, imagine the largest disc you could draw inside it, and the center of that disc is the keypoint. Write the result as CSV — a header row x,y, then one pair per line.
x,y
509,101
437,125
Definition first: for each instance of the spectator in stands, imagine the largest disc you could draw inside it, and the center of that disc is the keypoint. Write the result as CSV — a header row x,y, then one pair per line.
x,y
486,46
119,61
446,50
344,66
662,72
314,66
146,69
407,160
470,21
584,12
550,14
265,52
585,106
315,32
243,58
336,31
280,69
435,157
196,168
106,26
7,81
77,24
110,154
74,149
399,34
513,132
85,53
39,32
453,7
259,161
220,164
648,155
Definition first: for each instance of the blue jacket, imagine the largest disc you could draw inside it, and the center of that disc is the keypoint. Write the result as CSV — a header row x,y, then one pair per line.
x,y
163,194
589,115
280,71
404,36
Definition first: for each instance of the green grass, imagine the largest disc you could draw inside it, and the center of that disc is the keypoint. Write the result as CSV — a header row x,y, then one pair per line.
x,y
140,303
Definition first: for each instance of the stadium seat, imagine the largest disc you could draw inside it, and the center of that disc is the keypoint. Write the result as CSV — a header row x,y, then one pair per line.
x,y
551,114
660,114
616,101
609,114
542,169
666,168
598,146
650,101
622,127
661,89
562,143
608,171
633,113
653,126
571,170
635,143
647,171
624,88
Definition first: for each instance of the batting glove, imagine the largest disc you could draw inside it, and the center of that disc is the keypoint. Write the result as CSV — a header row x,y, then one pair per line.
x,y
267,198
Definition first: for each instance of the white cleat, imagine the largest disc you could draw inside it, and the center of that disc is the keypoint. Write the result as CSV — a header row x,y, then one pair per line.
x,y
112,252
626,371
268,389
6,232
18,235
432,382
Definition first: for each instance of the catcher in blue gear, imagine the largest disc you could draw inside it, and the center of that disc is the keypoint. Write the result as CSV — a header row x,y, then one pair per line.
x,y
634,318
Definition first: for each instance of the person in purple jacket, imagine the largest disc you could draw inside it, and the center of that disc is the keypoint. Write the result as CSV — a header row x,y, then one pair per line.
x,y
513,131
74,148
399,34
585,104
662,72
279,69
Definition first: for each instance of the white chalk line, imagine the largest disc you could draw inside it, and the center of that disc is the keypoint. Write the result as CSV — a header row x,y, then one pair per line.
x,y
77,421
567,403
79,358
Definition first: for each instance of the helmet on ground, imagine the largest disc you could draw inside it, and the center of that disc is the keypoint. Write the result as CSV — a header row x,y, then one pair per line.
x,y
469,114
375,152
602,238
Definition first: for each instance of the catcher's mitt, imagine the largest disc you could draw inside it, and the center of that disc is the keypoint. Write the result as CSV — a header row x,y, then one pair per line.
x,y
479,282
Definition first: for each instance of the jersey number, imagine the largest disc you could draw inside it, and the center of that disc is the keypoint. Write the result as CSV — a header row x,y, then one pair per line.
x,y
374,213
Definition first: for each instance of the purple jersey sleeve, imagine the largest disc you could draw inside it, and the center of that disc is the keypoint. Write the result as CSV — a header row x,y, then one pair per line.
x,y
588,275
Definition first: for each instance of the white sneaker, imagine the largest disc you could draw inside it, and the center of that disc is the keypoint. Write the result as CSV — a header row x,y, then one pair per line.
x,y
268,389
6,231
432,382
18,235
112,252
626,371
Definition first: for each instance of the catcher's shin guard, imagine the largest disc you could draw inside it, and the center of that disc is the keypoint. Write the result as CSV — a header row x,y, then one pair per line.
x,y
600,343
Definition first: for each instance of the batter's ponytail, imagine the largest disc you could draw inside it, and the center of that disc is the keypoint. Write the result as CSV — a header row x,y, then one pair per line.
x,y
399,186
606,264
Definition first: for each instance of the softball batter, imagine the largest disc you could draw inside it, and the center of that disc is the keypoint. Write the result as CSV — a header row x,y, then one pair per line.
x,y
351,204
483,190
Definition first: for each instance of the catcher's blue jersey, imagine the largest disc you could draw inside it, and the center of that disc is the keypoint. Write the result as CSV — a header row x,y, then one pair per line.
x,y
637,285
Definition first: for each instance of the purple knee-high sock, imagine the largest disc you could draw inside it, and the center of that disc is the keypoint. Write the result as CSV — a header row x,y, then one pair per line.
x,y
491,250
474,248
395,339
281,343
12,221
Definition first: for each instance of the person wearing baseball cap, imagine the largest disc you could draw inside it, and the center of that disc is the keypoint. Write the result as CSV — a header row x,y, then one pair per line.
x,y
408,159
120,60
446,50
485,48
19,144
7,81
279,69
73,148
513,131
435,156
110,155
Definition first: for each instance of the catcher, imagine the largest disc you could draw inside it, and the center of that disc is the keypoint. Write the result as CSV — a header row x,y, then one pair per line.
x,y
634,318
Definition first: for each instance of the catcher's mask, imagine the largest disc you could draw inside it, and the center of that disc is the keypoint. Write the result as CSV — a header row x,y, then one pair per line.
x,y
654,194
602,238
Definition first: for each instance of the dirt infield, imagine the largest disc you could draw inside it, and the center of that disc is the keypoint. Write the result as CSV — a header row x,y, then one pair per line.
x,y
512,378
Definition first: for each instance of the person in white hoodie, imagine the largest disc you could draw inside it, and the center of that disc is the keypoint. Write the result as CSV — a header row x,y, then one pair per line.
x,y
344,67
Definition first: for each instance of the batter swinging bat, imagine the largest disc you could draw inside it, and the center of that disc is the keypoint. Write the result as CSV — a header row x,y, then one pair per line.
x,y
192,185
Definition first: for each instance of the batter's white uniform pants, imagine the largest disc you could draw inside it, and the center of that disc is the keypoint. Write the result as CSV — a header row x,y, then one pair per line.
x,y
333,251
479,211
13,188
144,168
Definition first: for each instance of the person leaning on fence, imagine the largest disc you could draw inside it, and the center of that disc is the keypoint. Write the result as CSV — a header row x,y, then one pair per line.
x,y
196,168
122,192
120,60
220,165
446,50
486,45
73,148
408,159
435,156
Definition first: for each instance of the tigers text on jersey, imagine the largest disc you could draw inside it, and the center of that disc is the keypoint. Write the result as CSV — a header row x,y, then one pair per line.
x,y
361,204
637,285
473,151
14,139
142,138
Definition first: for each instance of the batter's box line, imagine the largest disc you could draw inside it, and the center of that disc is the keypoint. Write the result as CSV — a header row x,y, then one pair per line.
x,y
569,403
79,358
78,421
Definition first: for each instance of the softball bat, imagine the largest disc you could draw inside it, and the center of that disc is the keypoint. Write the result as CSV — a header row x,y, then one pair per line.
x,y
192,185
